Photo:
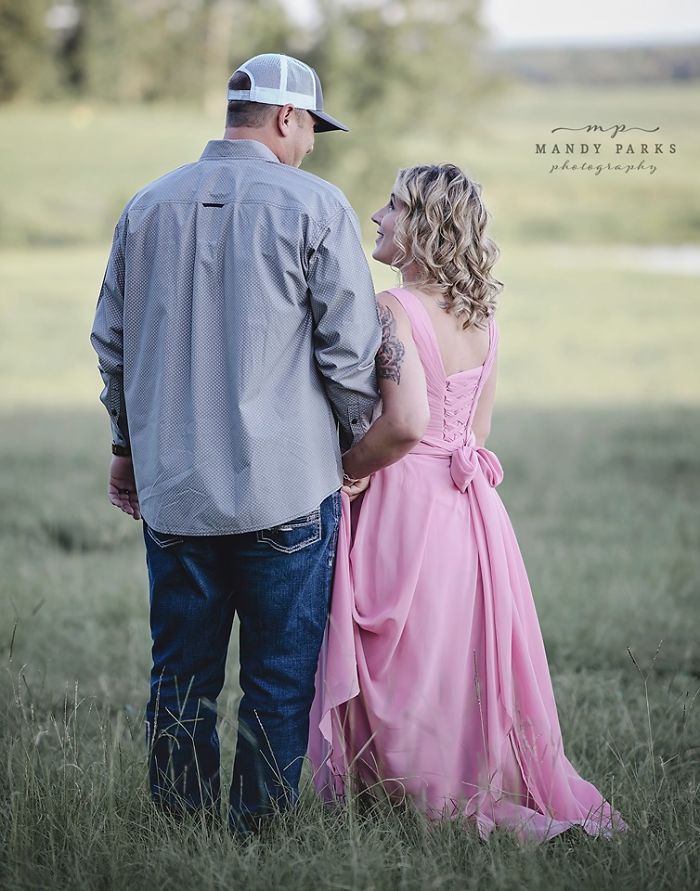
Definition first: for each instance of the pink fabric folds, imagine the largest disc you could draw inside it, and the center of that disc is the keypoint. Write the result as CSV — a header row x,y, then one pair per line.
x,y
466,461
433,679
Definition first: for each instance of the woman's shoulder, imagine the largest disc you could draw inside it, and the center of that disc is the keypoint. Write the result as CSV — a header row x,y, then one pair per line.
x,y
390,305
388,297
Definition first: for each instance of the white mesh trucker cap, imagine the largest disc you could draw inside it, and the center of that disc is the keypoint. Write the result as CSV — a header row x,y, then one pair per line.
x,y
276,79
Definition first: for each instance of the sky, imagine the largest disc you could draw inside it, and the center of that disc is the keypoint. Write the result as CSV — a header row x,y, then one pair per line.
x,y
595,21
536,22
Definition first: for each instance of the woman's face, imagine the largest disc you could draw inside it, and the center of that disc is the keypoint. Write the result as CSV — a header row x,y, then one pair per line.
x,y
385,218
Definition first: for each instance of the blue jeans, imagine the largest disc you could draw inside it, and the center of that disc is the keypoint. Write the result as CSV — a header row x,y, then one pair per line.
x,y
278,580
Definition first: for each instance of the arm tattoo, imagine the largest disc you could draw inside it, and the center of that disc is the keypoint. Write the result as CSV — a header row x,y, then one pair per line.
x,y
391,352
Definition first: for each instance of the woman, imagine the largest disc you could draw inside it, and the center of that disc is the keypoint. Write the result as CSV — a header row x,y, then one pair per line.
x,y
433,680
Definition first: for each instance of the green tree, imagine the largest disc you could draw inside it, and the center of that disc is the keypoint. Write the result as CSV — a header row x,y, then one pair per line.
x,y
151,50
24,48
394,68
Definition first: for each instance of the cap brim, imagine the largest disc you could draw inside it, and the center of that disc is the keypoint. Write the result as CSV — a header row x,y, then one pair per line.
x,y
326,123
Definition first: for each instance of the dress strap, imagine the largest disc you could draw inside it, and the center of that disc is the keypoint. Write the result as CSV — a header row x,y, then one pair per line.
x,y
493,347
485,368
408,301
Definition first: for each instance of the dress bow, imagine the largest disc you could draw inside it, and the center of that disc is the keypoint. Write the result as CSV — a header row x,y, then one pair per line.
x,y
467,459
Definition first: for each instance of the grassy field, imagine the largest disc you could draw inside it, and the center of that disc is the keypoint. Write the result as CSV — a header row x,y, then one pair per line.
x,y
597,425
68,171
577,329
603,503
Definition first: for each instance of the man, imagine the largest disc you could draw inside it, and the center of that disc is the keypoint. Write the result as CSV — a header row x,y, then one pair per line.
x,y
235,328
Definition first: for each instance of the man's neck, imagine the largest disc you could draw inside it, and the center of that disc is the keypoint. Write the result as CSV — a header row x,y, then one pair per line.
x,y
256,134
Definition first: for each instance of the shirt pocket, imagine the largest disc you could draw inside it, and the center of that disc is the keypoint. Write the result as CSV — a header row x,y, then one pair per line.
x,y
293,535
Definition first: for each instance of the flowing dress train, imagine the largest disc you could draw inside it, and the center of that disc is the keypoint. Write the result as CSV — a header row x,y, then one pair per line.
x,y
433,678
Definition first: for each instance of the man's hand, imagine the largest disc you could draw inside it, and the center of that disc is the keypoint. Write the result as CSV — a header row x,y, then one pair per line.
x,y
357,488
122,487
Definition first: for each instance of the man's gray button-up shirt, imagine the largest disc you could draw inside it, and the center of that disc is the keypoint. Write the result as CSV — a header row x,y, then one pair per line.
x,y
236,331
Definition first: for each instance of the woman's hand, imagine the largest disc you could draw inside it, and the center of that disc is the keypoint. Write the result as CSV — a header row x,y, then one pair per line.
x,y
356,487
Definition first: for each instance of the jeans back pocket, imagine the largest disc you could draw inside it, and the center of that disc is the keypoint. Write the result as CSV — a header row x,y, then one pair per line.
x,y
164,539
293,535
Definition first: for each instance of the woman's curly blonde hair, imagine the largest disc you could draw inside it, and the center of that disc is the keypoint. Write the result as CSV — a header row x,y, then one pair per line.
x,y
441,230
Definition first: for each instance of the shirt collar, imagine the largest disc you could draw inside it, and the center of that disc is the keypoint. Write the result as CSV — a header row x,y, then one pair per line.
x,y
238,149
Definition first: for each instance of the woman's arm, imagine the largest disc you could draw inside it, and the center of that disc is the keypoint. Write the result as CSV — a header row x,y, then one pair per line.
x,y
405,409
481,423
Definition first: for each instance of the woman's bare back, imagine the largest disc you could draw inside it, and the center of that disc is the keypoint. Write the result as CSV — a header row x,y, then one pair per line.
x,y
460,349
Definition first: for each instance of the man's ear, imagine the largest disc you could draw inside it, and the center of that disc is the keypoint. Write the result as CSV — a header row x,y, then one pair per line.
x,y
284,119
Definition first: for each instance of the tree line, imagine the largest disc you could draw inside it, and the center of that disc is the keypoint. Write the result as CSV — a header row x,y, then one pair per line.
x,y
388,67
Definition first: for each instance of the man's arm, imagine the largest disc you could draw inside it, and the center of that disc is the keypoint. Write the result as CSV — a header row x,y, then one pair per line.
x,y
107,337
107,340
347,331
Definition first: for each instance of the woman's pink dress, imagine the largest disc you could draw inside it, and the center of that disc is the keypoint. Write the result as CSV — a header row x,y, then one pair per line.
x,y
433,678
